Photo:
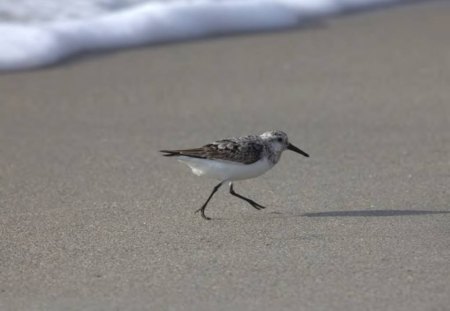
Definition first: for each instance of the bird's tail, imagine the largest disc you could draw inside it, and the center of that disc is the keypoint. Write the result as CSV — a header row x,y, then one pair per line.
x,y
193,153
170,153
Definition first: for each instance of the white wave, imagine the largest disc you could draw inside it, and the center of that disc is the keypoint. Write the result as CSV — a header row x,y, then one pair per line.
x,y
33,45
38,11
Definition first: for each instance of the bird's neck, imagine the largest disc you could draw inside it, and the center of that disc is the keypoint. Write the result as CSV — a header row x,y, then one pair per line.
x,y
273,155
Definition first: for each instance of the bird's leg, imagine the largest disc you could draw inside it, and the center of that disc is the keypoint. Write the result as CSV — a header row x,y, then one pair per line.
x,y
251,202
202,209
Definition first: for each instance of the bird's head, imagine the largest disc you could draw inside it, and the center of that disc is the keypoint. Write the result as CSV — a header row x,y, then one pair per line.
x,y
278,142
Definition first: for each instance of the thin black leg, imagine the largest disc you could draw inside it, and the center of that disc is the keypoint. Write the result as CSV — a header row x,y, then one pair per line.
x,y
251,202
202,209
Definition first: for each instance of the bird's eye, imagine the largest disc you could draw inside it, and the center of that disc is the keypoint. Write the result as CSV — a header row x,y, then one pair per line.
x,y
279,139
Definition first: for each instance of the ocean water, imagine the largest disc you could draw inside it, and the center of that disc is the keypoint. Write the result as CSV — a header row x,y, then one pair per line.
x,y
36,33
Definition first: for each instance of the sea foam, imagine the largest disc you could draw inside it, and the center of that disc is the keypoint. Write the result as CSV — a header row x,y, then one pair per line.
x,y
31,45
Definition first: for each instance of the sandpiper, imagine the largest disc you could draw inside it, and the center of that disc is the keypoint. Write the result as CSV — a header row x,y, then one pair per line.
x,y
235,158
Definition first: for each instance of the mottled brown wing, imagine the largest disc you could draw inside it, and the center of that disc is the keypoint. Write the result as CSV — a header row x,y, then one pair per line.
x,y
231,150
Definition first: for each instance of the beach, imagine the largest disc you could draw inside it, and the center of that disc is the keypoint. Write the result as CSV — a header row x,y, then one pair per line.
x,y
94,218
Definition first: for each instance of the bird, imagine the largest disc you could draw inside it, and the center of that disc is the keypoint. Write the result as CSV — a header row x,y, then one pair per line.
x,y
235,158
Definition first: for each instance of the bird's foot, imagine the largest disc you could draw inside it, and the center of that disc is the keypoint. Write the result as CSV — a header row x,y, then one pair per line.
x,y
202,210
256,205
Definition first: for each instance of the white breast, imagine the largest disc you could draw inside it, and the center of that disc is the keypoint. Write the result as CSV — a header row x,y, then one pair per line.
x,y
226,170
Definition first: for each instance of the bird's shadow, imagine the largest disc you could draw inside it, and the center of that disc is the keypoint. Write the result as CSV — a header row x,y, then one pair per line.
x,y
354,213
373,213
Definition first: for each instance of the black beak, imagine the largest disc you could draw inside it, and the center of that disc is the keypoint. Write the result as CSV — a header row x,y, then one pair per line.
x,y
293,148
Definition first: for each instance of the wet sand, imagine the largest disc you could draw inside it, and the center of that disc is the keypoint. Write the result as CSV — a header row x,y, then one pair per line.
x,y
93,218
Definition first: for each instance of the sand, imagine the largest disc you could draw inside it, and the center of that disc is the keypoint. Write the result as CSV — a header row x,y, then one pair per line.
x,y
93,218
